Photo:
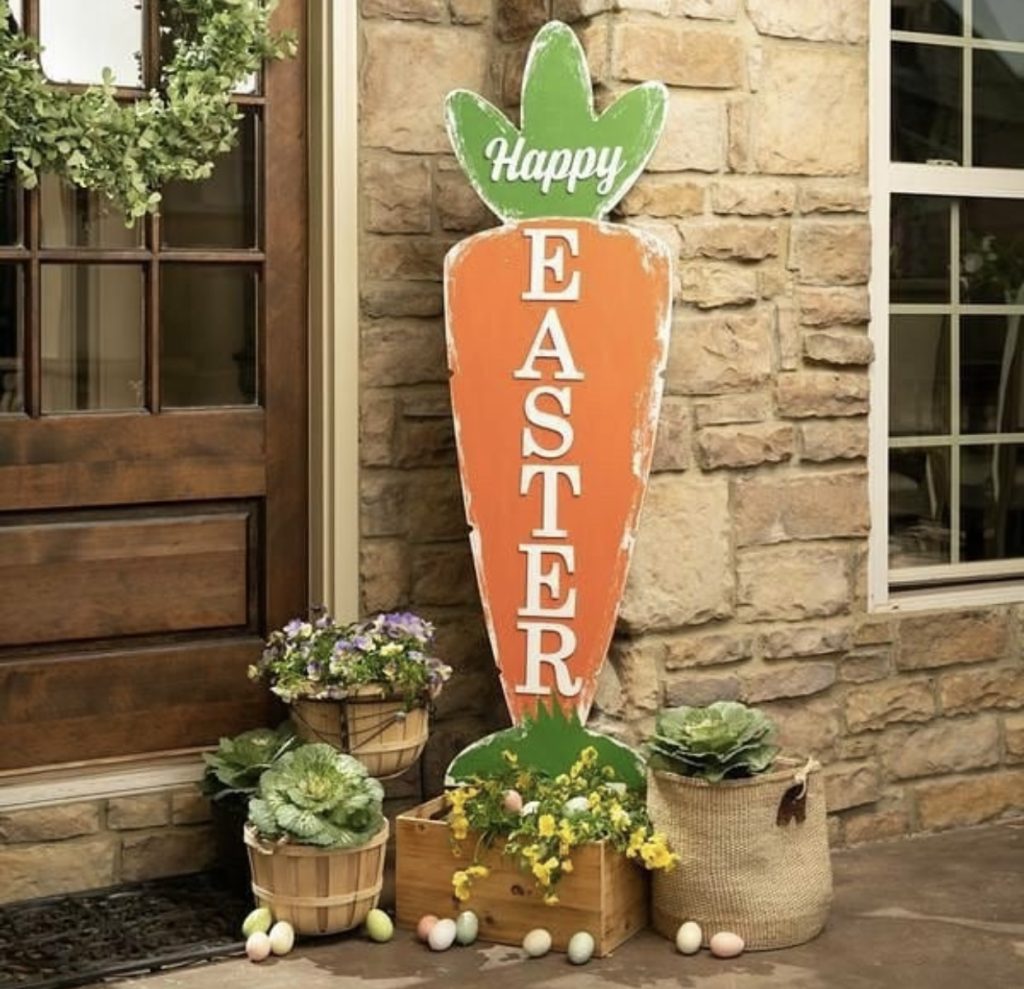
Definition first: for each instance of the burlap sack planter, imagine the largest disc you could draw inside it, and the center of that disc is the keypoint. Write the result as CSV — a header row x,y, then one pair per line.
x,y
754,855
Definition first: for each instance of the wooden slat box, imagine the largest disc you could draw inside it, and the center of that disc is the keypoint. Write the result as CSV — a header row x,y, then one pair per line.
x,y
605,894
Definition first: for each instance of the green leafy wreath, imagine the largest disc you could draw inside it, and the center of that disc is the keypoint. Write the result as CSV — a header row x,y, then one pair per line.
x,y
128,150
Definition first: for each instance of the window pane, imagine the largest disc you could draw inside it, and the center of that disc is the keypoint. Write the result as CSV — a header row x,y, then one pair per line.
x,y
15,7
92,329
80,38
928,16
919,376
992,249
992,502
919,507
207,335
11,341
926,103
220,211
999,20
998,110
920,249
73,217
177,23
991,396
10,210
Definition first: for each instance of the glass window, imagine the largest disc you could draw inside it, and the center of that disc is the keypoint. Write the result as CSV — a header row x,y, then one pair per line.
x,y
12,340
10,210
928,16
81,38
74,217
207,335
92,321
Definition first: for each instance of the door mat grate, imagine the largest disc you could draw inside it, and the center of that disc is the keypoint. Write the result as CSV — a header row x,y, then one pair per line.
x,y
80,938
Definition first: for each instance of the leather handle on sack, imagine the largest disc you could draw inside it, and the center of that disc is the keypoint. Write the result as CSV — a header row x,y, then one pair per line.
x,y
793,806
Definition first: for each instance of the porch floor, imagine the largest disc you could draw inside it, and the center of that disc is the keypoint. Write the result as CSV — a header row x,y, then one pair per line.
x,y
939,912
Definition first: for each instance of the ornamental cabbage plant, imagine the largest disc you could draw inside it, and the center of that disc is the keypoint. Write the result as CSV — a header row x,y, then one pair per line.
x,y
235,768
315,795
726,740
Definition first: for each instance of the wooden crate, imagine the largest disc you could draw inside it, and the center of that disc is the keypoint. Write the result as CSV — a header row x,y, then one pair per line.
x,y
605,894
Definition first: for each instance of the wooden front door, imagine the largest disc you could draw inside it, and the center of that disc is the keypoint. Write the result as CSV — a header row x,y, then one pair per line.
x,y
153,492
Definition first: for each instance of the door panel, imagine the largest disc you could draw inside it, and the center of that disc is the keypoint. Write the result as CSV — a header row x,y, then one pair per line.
x,y
151,537
118,577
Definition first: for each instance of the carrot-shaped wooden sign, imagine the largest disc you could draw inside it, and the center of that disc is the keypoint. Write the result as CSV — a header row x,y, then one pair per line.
x,y
557,337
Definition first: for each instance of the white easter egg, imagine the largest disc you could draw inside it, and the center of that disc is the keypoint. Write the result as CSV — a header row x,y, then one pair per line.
x,y
576,805
725,944
257,946
442,935
537,942
688,938
282,937
581,948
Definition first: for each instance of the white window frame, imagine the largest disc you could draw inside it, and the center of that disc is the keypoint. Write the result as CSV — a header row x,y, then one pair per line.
x,y
886,179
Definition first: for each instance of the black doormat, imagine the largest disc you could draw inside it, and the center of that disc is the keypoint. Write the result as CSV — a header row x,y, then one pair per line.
x,y
80,938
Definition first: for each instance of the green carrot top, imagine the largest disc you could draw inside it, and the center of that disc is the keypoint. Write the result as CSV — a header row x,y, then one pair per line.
x,y
565,160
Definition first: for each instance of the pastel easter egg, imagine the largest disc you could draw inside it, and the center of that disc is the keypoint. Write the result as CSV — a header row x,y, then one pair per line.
x,y
442,935
257,946
689,938
423,927
576,805
513,802
581,948
379,926
725,944
537,943
467,926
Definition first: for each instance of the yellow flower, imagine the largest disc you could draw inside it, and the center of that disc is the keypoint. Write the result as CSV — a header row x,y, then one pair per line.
x,y
546,825
542,873
565,832
478,871
618,817
566,865
460,885
588,756
459,825
523,779
636,841
550,899
594,800
510,757
531,853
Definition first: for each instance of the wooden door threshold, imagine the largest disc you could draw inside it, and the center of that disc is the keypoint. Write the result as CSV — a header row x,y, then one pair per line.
x,y
72,782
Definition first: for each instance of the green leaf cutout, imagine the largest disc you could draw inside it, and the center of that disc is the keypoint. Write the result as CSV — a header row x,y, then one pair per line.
x,y
565,160
549,743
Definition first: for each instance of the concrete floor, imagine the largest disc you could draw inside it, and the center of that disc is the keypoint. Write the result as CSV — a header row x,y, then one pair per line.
x,y
942,912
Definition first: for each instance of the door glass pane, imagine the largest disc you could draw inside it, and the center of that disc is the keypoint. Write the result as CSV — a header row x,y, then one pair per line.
x,y
928,16
73,217
991,393
998,109
919,507
177,23
92,320
12,382
207,335
221,210
992,502
80,38
926,103
992,247
920,249
999,20
919,375
10,210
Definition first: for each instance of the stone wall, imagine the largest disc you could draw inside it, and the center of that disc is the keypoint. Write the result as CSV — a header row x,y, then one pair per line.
x,y
98,843
749,575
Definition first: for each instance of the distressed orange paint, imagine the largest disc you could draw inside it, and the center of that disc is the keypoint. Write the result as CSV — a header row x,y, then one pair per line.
x,y
556,386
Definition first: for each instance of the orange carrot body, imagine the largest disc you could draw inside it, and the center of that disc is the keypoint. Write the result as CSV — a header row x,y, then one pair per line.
x,y
555,399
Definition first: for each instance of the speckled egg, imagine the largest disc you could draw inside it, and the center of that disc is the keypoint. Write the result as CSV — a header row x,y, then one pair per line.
x,y
689,938
537,942
581,948
725,944
424,926
467,926
442,935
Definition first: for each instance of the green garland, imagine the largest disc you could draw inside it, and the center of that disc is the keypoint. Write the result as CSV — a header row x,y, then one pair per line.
x,y
129,150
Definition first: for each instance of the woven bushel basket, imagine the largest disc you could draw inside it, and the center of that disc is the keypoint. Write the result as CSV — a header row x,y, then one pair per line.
x,y
754,855
317,890
385,737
